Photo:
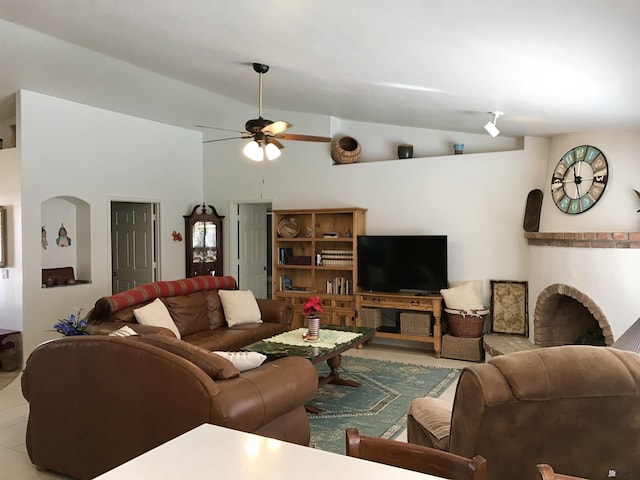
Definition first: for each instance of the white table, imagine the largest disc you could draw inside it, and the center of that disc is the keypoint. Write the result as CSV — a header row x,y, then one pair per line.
x,y
209,451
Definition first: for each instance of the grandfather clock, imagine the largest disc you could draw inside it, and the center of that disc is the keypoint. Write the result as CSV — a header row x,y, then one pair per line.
x,y
203,241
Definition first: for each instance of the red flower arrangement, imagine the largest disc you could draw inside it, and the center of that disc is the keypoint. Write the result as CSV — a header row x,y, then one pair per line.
x,y
312,305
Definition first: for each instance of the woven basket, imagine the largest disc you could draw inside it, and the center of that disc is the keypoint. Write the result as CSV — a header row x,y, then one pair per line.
x,y
345,150
371,317
468,324
412,323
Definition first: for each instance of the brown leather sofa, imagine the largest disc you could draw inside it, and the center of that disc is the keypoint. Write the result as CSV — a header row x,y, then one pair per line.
x,y
195,307
97,401
574,407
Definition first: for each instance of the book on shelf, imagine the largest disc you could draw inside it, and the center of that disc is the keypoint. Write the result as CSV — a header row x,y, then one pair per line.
x,y
283,255
285,282
337,258
330,235
340,286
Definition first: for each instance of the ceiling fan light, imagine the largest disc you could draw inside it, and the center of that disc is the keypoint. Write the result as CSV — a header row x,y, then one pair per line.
x,y
271,151
492,129
253,151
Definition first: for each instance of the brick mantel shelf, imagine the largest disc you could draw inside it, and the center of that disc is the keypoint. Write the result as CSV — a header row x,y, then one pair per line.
x,y
584,239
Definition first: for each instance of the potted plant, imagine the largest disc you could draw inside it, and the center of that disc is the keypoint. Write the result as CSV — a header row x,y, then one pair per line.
x,y
74,325
311,308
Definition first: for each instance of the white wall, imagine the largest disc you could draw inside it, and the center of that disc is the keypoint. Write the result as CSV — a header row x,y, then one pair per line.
x,y
476,199
607,276
98,156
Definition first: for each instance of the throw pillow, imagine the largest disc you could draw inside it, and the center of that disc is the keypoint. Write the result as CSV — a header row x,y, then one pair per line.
x,y
125,331
189,313
467,296
214,309
244,360
216,367
157,315
239,307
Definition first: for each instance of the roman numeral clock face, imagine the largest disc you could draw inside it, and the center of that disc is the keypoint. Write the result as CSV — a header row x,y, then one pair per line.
x,y
579,179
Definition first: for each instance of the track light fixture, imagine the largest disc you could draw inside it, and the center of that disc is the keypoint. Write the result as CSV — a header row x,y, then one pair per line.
x,y
490,127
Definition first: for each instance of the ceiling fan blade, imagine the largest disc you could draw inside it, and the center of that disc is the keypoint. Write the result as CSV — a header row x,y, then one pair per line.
x,y
221,139
276,127
218,128
276,143
303,138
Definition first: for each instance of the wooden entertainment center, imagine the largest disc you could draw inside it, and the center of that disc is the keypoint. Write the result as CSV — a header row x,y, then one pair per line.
x,y
315,253
399,301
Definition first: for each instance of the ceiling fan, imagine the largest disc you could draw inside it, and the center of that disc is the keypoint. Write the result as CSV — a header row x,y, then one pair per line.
x,y
266,134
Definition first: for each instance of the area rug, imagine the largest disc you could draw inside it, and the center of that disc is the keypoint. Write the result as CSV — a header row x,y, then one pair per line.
x,y
379,406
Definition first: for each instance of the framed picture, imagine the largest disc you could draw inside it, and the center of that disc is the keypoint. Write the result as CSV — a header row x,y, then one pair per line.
x,y
509,307
3,237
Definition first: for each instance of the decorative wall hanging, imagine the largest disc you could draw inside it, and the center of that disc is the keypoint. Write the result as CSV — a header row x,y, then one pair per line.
x,y
579,179
509,307
43,238
63,240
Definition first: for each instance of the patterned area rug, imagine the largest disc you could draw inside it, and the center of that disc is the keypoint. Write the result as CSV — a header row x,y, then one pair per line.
x,y
379,407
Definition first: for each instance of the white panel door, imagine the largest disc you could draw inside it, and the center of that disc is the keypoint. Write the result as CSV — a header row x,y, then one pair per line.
x,y
252,261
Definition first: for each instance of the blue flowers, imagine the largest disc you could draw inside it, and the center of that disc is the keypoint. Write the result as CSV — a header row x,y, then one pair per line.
x,y
73,325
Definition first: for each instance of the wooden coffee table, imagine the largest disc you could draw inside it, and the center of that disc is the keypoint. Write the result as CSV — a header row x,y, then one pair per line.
x,y
333,356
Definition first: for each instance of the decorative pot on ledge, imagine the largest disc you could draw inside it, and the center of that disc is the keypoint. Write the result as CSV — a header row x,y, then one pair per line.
x,y
405,151
345,150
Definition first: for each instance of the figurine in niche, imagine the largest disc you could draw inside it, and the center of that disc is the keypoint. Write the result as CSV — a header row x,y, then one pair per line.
x,y
308,232
348,233
43,239
63,240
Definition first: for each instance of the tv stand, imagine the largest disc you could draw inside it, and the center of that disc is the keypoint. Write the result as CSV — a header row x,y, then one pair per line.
x,y
427,302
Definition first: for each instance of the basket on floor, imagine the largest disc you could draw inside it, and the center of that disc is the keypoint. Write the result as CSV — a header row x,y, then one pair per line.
x,y
468,324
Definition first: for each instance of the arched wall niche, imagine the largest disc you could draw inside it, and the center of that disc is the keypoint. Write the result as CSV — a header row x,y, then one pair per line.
x,y
70,215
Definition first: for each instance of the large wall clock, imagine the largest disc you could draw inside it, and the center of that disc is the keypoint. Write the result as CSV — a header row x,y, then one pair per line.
x,y
579,179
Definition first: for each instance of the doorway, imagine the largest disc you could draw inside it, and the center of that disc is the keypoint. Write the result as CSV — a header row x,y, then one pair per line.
x,y
251,247
134,249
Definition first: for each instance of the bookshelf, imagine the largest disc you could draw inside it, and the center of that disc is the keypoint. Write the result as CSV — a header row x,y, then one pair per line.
x,y
315,254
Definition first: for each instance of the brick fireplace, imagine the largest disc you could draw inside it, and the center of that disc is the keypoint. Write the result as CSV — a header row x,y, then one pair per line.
x,y
579,282
566,316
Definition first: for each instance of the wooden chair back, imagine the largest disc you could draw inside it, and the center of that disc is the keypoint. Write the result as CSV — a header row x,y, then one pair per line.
x,y
545,472
415,457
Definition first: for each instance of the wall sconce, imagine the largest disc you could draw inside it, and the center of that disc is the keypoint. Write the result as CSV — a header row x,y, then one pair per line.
x,y
490,127
177,236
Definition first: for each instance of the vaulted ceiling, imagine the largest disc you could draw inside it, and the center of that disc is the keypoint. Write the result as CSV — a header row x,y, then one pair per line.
x,y
552,66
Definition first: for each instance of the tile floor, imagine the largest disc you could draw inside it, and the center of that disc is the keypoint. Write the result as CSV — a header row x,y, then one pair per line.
x,y
14,461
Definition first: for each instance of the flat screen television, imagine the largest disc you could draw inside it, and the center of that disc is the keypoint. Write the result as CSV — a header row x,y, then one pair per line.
x,y
402,263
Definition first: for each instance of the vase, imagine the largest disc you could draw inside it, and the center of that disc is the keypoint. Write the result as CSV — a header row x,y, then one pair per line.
x,y
313,328
458,148
405,151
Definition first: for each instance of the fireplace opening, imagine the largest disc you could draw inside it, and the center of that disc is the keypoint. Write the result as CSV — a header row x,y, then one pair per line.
x,y
566,316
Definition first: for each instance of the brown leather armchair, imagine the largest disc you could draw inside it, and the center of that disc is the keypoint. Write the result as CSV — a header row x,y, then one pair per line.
x,y
96,402
574,407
